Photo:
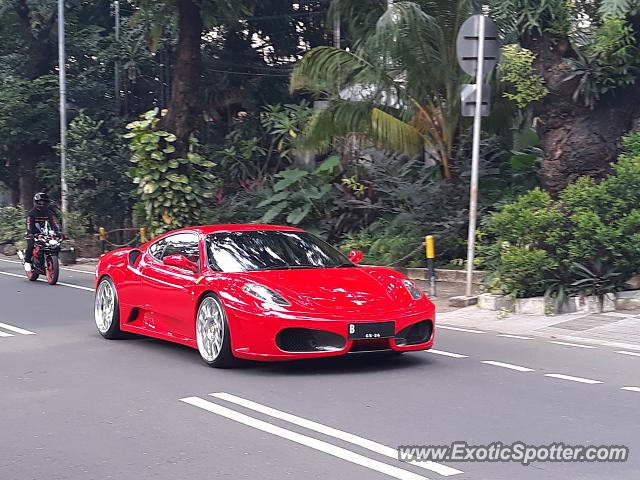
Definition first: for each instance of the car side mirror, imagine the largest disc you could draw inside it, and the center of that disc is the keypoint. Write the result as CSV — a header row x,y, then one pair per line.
x,y
180,261
355,256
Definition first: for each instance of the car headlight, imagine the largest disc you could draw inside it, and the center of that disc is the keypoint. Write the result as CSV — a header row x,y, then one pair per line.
x,y
265,294
413,289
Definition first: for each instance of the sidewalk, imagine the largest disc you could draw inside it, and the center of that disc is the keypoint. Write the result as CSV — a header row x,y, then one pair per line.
x,y
613,329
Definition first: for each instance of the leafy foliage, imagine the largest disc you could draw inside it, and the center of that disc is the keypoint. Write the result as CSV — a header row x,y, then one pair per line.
x,y
618,8
597,225
174,191
12,224
528,15
607,64
97,159
597,279
398,85
388,242
516,68
297,193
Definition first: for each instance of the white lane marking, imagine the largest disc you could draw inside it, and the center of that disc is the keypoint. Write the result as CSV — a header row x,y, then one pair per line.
x,y
508,365
457,329
619,314
519,337
79,287
310,442
19,330
572,379
624,352
12,274
66,269
447,354
567,344
332,432
5,334
631,389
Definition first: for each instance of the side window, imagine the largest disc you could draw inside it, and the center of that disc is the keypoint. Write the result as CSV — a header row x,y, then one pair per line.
x,y
186,244
157,249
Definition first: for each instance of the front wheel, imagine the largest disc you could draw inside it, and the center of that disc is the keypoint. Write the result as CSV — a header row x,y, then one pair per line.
x,y
212,333
106,310
53,269
32,275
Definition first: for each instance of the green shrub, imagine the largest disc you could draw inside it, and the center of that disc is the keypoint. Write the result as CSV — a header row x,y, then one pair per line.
x,y
535,242
523,272
12,224
516,68
175,191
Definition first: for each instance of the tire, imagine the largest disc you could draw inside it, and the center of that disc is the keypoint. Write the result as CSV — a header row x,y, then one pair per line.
x,y
53,269
212,333
32,276
106,310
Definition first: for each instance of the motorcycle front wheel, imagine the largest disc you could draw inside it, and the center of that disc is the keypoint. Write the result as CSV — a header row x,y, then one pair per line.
x,y
53,269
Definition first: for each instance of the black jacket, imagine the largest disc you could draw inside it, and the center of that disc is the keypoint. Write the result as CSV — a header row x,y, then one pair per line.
x,y
36,219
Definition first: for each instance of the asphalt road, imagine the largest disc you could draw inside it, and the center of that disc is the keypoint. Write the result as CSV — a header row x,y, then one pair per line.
x,y
75,406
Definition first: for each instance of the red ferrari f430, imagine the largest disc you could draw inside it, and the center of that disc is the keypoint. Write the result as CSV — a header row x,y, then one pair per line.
x,y
258,292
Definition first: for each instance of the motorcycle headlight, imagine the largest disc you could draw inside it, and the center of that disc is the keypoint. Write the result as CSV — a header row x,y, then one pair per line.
x,y
53,243
265,294
413,289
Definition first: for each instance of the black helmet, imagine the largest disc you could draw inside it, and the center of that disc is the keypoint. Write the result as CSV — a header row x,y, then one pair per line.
x,y
41,200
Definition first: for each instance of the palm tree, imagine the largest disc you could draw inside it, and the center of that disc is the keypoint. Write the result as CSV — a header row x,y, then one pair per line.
x,y
399,84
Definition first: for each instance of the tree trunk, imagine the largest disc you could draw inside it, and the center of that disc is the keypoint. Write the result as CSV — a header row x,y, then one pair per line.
x,y
576,140
185,112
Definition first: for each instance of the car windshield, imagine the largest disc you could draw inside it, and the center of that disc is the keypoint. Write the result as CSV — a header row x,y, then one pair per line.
x,y
248,251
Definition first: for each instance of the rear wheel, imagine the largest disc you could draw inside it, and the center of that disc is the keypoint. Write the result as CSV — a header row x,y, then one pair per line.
x,y
212,333
107,310
53,269
32,275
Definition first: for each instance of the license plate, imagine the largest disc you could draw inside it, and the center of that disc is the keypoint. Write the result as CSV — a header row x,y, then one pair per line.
x,y
371,331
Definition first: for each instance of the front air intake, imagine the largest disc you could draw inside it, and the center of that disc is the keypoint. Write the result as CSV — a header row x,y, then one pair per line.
x,y
309,340
415,334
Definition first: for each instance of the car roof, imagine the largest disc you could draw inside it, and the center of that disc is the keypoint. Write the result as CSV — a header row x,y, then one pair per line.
x,y
237,227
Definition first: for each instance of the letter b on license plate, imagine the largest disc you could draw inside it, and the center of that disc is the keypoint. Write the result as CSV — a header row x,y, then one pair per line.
x,y
371,331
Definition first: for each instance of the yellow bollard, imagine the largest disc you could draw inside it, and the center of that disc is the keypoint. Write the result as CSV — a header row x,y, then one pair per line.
x,y
431,255
143,235
102,235
431,248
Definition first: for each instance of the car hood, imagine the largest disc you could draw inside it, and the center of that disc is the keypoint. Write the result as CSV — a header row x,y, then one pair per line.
x,y
332,289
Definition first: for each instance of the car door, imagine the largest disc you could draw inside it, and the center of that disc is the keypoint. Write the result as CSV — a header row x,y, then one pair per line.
x,y
169,291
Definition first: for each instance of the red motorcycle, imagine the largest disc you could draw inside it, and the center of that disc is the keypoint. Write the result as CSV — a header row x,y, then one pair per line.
x,y
45,258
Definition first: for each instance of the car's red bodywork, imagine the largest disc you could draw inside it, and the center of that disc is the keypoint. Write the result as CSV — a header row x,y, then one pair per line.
x,y
161,301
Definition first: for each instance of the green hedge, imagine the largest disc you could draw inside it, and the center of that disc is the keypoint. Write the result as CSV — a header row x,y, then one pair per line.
x,y
537,242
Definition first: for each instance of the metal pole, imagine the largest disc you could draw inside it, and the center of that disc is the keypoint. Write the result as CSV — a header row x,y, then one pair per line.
x,y
63,107
117,64
475,159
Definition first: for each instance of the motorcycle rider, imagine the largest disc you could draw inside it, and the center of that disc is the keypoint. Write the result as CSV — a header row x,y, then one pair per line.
x,y
36,219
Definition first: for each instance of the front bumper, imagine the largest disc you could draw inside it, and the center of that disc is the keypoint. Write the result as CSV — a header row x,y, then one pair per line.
x,y
276,336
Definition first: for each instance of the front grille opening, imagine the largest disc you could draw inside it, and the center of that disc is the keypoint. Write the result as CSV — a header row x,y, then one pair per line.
x,y
415,334
370,345
309,340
